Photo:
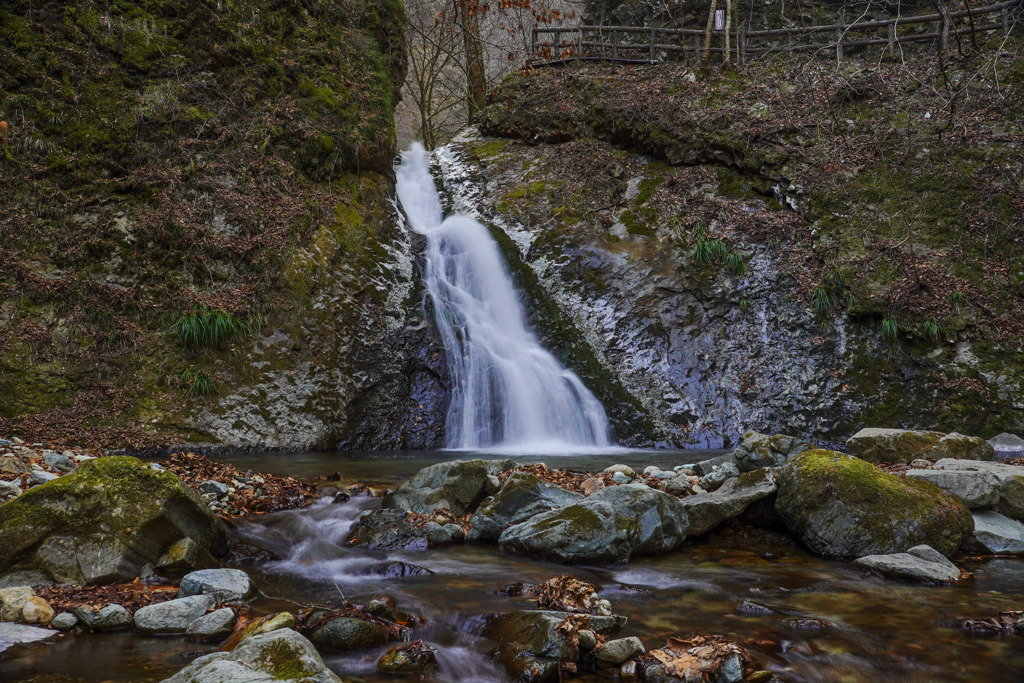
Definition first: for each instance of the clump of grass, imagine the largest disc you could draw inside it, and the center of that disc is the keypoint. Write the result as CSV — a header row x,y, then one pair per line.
x,y
206,328
736,264
831,294
932,330
198,382
744,306
956,300
825,301
890,329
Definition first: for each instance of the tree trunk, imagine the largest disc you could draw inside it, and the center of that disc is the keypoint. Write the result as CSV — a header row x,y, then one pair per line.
x,y
728,28
706,59
476,78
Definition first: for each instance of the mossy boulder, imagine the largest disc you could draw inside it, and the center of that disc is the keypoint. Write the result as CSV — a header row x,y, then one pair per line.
x,y
842,507
348,633
105,522
612,525
459,486
522,496
410,659
906,445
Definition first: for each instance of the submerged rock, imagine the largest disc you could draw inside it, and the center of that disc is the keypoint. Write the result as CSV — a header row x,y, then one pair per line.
x,y
523,496
705,511
995,534
105,522
282,655
920,563
613,524
842,507
459,486
905,445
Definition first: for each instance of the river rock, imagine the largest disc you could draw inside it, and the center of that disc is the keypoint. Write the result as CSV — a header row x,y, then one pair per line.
x,y
625,470
459,486
1009,482
920,563
12,602
530,634
65,621
59,462
996,534
523,496
110,618
388,530
1007,446
613,524
718,475
214,488
225,585
36,611
347,633
618,651
905,445
9,489
282,656
842,507
707,510
173,616
20,634
410,659
707,466
760,450
38,477
105,522
214,626
974,489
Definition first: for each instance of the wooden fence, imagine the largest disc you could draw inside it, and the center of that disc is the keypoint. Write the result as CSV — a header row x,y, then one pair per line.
x,y
619,42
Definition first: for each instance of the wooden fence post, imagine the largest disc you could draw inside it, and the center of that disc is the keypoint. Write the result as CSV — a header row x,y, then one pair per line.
x,y
615,43
839,38
890,47
653,34
944,26
742,44
533,43
579,42
1005,15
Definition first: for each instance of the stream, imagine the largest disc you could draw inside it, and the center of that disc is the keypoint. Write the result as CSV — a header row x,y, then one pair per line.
x,y
881,630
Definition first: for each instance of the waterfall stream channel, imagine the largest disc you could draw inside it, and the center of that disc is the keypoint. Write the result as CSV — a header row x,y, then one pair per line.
x,y
829,621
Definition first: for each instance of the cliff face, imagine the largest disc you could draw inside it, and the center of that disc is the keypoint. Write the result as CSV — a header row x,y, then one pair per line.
x,y
802,253
195,227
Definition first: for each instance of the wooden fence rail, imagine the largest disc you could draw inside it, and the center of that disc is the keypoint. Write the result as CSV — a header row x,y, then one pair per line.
x,y
585,38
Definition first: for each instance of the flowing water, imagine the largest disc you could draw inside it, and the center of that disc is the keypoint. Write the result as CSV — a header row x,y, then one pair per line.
x,y
506,388
882,630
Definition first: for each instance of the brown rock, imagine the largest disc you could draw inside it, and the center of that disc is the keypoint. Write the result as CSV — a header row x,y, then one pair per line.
x,y
36,611
591,485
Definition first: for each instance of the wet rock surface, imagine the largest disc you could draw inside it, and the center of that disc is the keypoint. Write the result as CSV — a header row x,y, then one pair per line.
x,y
920,563
458,486
707,510
522,496
1009,482
223,585
173,616
995,534
904,445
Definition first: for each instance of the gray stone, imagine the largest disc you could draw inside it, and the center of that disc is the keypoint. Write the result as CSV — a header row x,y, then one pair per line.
x,y
40,477
974,489
707,510
225,585
1007,446
536,631
996,534
283,656
388,530
523,496
905,445
216,625
731,671
459,486
214,488
20,634
587,639
621,650
110,618
707,466
346,633
173,616
59,462
920,563
65,621
620,478
613,524
9,489
1009,482
760,450
719,475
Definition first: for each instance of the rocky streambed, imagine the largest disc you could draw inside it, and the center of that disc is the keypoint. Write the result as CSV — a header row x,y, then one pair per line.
x,y
729,566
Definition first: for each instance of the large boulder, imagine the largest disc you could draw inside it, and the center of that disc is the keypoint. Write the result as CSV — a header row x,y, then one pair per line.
x,y
996,534
905,445
920,563
282,656
522,496
459,486
705,511
974,489
760,450
173,616
843,507
395,530
1009,482
105,522
348,633
613,524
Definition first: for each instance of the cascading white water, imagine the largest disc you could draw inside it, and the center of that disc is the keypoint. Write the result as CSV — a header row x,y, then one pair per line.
x,y
507,391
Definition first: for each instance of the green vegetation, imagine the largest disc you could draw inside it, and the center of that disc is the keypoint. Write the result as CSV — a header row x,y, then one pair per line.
x,y
890,329
956,300
205,328
932,330
736,264
199,383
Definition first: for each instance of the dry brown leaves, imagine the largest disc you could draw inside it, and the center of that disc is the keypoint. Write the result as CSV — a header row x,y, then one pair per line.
x,y
1009,622
566,593
701,656
419,519
278,493
131,596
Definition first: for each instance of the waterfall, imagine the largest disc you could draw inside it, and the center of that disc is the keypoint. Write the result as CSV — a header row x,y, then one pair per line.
x,y
507,391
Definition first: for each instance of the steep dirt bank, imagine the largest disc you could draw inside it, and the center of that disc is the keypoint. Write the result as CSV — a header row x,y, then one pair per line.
x,y
196,233
806,251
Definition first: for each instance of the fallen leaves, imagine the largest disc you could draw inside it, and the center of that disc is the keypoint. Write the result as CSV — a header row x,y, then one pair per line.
x,y
701,656
130,595
1008,622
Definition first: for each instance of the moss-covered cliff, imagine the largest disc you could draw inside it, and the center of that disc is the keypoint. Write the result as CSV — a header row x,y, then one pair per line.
x,y
785,246
195,231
